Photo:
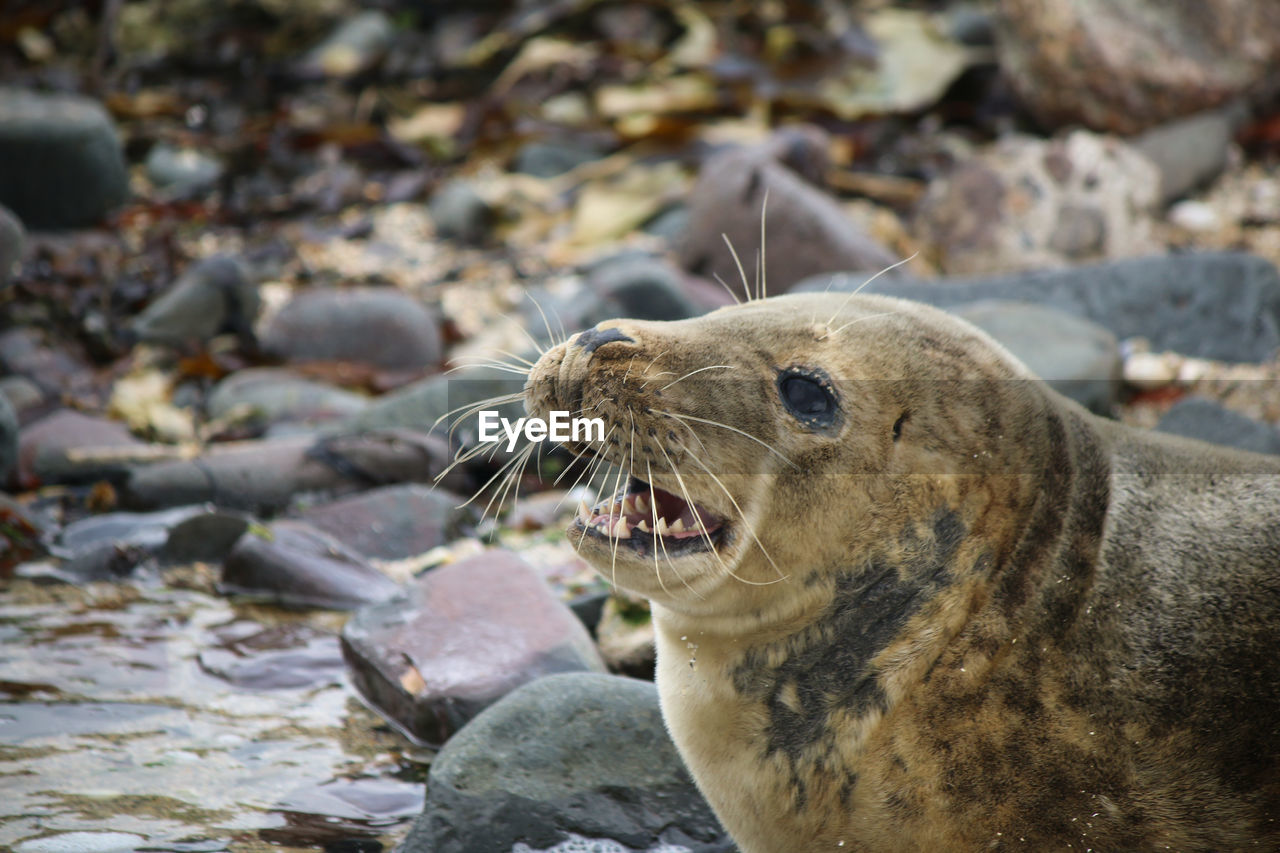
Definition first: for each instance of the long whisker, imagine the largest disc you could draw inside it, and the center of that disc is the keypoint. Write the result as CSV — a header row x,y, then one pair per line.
x,y
868,281
741,515
705,535
682,417
717,277
699,370
746,287
860,320
764,269
545,322
481,361
659,542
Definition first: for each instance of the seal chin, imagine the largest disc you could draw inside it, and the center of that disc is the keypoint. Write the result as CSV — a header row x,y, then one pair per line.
x,y
650,520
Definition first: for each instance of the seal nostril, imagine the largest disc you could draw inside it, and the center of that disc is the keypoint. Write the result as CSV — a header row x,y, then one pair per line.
x,y
593,339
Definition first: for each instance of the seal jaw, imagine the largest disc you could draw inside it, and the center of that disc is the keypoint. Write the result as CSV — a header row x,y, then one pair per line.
x,y
646,518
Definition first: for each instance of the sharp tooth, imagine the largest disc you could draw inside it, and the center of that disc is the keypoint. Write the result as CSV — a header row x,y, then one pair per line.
x,y
661,527
628,508
677,527
584,512
620,530
642,505
643,526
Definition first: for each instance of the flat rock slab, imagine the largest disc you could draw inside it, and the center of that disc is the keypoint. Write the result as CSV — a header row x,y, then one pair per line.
x,y
47,448
258,476
392,522
575,762
378,326
212,296
464,636
63,165
1223,306
1078,358
806,232
275,395
296,565
1196,417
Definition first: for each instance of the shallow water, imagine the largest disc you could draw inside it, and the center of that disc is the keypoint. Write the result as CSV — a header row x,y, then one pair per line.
x,y
168,718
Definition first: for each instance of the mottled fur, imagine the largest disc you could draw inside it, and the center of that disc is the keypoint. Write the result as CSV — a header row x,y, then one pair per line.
x,y
986,619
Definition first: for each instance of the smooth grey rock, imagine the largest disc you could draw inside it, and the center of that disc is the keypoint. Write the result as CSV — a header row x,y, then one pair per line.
x,y
212,296
581,757
47,449
1188,152
207,537
639,286
258,476
8,440
671,224
1197,417
1077,357
181,170
56,370
12,238
385,456
21,393
466,634
354,46
63,165
147,530
548,159
275,395
378,326
806,233
390,523
1223,306
460,213
282,657
424,405
296,565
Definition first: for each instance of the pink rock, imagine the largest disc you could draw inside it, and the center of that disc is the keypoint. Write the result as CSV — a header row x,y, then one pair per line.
x,y
465,636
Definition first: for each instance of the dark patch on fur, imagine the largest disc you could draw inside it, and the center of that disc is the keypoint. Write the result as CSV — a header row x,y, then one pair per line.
x,y
827,667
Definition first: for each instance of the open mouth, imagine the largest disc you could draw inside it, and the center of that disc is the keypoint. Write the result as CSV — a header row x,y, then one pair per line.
x,y
645,517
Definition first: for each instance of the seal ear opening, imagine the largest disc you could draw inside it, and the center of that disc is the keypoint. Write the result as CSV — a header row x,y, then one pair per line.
x,y
897,425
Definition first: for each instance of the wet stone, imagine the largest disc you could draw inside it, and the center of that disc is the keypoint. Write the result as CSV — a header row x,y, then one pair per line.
x,y
286,656
12,238
1078,358
354,46
464,636
1029,203
379,326
579,756
21,393
632,284
1101,71
423,404
295,565
83,842
460,213
390,523
64,167
382,456
1188,152
207,537
54,370
147,530
274,396
548,159
1196,417
48,447
8,439
806,233
181,171
212,296
258,476
1222,306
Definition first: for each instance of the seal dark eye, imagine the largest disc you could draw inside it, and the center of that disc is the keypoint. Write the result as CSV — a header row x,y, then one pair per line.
x,y
809,396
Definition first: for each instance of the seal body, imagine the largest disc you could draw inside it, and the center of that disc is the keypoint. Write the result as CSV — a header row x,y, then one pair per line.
x,y
906,597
